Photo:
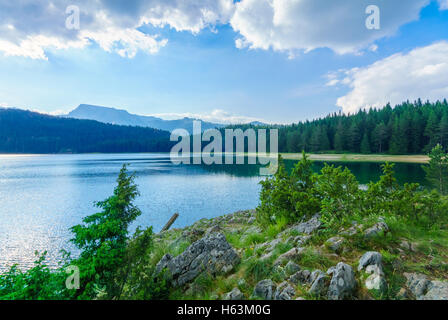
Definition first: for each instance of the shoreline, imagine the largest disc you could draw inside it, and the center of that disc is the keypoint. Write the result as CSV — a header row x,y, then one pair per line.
x,y
359,157
337,157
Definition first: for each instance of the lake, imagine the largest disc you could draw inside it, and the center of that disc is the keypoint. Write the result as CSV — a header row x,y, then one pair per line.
x,y
42,196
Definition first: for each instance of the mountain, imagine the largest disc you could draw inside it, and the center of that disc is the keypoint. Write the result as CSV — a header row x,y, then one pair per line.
x,y
122,117
30,132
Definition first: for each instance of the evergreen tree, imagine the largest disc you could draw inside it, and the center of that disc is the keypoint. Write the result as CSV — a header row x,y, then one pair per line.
x,y
102,240
443,129
365,144
379,137
437,169
431,130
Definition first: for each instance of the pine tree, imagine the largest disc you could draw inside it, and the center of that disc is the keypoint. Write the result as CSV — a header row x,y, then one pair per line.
x,y
365,144
443,129
437,169
431,131
379,137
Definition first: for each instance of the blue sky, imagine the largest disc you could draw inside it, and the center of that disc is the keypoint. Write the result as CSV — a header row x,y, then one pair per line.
x,y
275,76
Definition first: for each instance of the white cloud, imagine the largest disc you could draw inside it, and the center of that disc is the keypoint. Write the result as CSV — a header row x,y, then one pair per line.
x,y
443,4
190,15
30,28
216,116
304,25
421,73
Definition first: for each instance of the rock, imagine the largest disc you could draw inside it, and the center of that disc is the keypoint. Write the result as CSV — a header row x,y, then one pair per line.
x,y
377,280
343,282
380,227
251,220
402,294
350,232
300,277
291,268
437,290
264,289
370,258
315,274
409,246
266,256
235,294
211,254
284,291
335,244
271,245
163,263
309,226
417,284
300,298
213,229
320,285
293,254
372,263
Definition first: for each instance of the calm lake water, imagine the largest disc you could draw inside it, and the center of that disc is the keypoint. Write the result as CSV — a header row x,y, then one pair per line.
x,y
41,197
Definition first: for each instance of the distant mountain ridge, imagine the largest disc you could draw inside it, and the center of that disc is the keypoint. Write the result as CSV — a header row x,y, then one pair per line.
x,y
122,117
23,131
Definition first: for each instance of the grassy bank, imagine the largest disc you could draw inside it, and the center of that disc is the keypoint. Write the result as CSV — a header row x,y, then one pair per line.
x,y
360,157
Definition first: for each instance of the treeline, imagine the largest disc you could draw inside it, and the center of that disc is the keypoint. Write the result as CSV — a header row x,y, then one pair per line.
x,y
30,132
409,128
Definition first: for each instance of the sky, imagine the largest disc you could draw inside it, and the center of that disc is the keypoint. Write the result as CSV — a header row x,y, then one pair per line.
x,y
277,61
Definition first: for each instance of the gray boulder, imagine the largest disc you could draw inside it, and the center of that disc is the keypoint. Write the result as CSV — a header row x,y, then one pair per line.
x,y
301,277
377,229
291,268
437,290
264,289
319,285
370,258
376,280
211,254
417,284
235,294
293,254
335,244
343,282
309,226
284,291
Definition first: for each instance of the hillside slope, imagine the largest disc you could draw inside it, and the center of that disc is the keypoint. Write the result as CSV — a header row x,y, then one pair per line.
x,y
30,132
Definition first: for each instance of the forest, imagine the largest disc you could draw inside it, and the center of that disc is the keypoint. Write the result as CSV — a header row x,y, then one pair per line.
x,y
30,132
408,128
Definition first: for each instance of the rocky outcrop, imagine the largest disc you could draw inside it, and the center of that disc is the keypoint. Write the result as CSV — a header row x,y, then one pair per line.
x,y
235,294
264,290
301,277
370,258
437,290
211,254
343,282
293,254
335,243
417,284
291,268
379,228
309,226
372,263
284,291
320,282
424,289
